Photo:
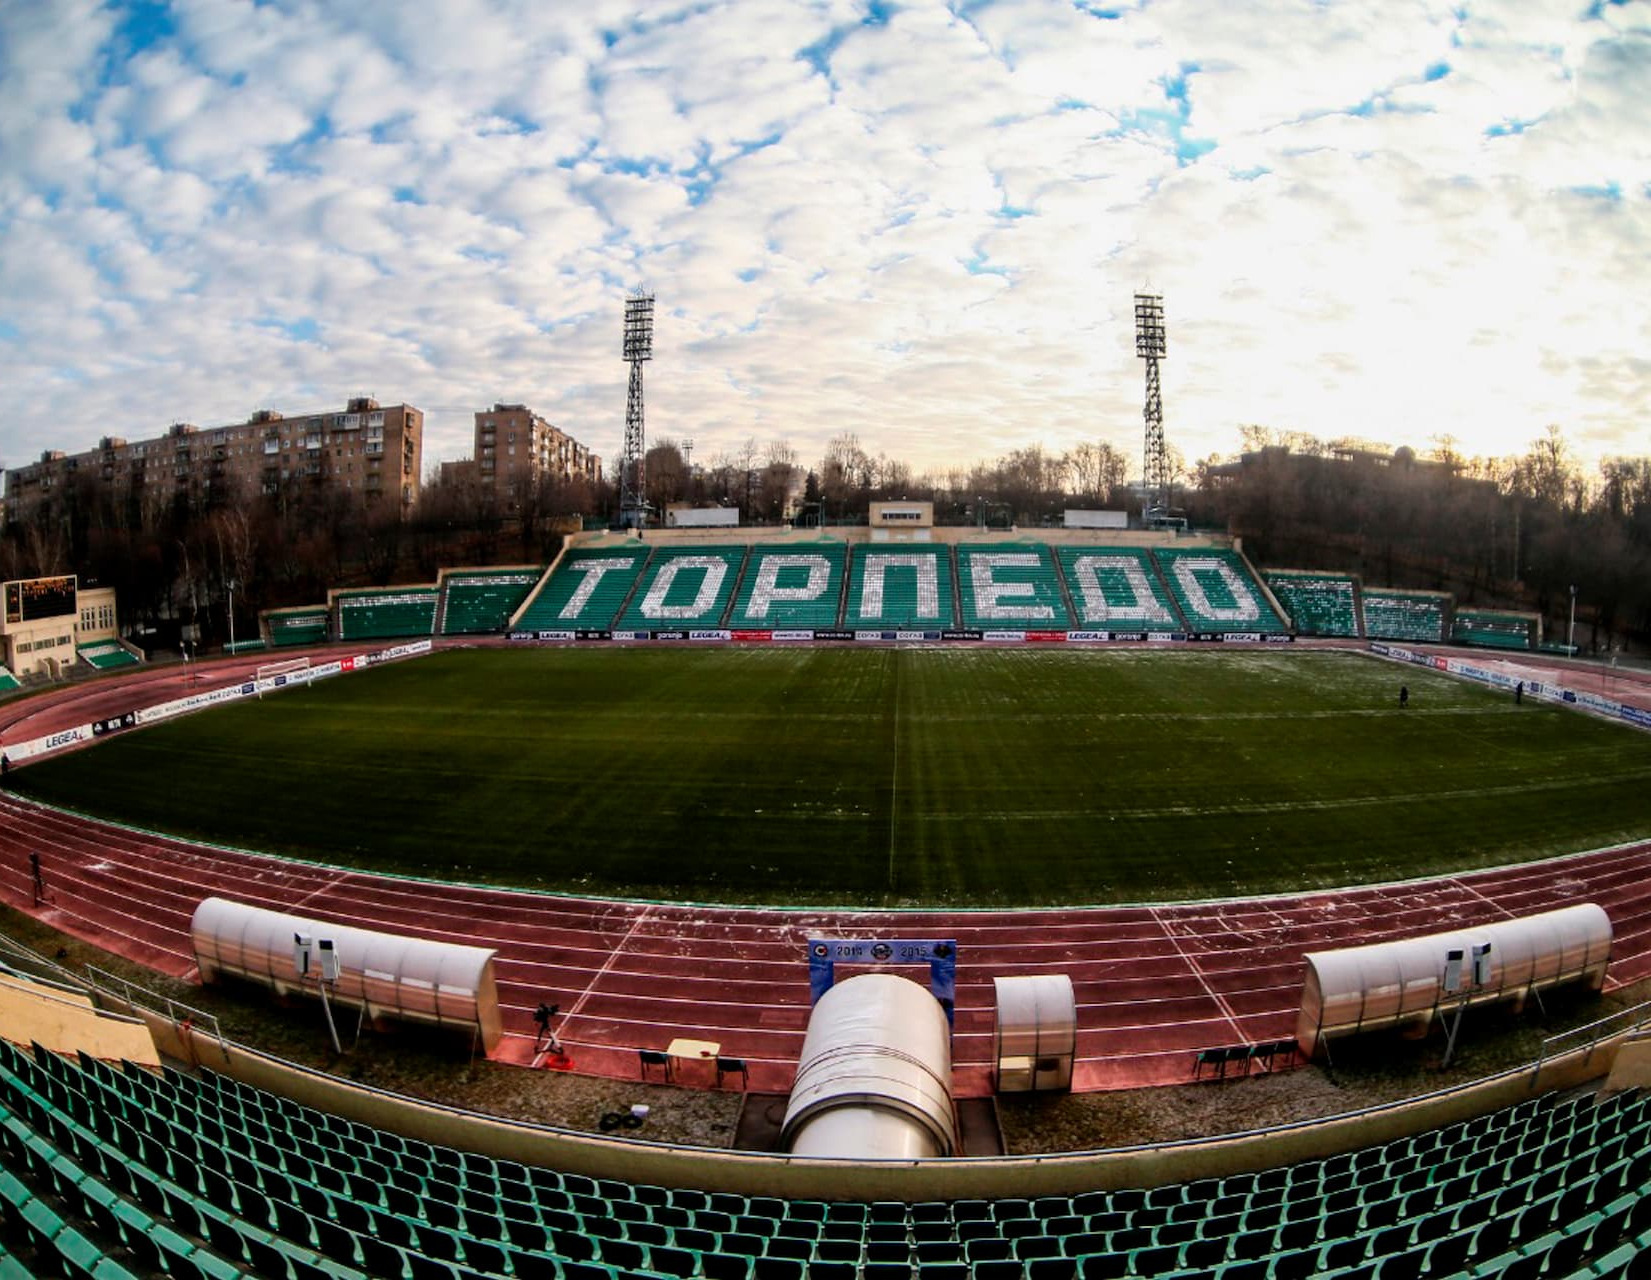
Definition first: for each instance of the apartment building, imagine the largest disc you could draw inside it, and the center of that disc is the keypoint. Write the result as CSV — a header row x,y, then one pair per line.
x,y
369,452
515,446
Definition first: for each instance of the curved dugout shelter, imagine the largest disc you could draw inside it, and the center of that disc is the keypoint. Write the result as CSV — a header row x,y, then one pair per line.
x,y
391,975
1403,983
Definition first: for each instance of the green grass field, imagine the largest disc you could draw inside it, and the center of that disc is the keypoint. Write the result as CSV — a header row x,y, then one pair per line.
x,y
881,777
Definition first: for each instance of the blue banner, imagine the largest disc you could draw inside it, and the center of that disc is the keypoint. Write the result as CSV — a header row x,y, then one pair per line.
x,y
940,954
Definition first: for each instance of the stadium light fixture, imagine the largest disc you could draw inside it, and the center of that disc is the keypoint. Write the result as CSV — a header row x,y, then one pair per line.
x,y
638,349
1150,346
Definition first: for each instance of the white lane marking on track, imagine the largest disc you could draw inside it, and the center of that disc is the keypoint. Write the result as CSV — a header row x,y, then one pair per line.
x,y
1217,997
613,957
1489,902
331,883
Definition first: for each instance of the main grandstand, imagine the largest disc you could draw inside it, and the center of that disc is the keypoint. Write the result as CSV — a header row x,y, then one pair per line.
x,y
227,1163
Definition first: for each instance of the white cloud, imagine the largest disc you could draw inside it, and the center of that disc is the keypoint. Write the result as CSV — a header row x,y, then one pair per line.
x,y
1394,221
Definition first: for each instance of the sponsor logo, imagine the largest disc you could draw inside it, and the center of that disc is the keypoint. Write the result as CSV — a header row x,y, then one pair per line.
x,y
751,635
1003,635
708,635
1046,637
1166,637
633,635
1277,637
523,635
670,635
558,635
961,635
1439,664
1242,637
792,635
247,690
874,635
915,635
63,739
1079,636
834,635
595,635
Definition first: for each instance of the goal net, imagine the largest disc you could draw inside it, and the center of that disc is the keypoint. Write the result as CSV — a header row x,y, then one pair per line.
x,y
269,670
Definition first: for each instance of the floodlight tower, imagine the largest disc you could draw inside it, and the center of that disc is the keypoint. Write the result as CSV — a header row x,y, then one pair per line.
x,y
1149,346
639,348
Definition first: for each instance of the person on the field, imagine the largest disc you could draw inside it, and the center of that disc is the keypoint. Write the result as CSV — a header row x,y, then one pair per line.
x,y
39,880
5,769
1404,695
1519,693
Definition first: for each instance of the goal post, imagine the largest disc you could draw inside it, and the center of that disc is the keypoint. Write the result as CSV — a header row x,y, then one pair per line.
x,y
269,670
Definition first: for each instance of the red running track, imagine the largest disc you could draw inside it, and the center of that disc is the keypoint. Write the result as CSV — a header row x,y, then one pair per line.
x,y
1154,984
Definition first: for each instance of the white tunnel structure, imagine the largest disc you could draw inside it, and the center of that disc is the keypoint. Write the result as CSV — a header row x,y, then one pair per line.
x,y
875,1079
388,974
1403,983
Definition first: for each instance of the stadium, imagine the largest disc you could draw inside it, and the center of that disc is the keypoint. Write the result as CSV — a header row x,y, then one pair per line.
x,y
1058,811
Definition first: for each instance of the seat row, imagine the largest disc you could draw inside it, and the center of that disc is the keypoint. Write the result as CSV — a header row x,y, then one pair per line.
x,y
250,1179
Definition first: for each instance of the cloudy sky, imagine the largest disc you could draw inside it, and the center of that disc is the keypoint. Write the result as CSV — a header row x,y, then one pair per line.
x,y
922,222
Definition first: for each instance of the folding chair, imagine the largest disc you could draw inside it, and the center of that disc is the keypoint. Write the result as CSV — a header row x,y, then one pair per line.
x,y
727,1066
654,1058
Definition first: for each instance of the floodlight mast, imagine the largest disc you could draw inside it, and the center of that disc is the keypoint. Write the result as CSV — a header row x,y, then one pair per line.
x,y
638,349
1150,346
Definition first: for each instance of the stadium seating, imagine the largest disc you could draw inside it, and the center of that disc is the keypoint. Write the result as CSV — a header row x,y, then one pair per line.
x,y
1214,590
795,586
1322,604
1492,629
587,590
114,1171
106,655
481,603
291,628
7,680
900,586
1010,585
1417,616
684,586
386,614
1118,589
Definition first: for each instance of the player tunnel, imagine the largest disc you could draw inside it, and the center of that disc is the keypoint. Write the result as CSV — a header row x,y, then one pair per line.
x,y
874,1082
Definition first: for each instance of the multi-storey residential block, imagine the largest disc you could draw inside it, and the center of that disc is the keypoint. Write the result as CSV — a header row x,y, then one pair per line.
x,y
369,453
516,447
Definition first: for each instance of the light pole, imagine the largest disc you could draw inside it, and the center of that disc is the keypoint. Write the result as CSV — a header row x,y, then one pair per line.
x,y
1570,636
232,617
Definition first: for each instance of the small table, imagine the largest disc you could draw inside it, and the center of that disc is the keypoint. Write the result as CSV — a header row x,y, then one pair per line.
x,y
691,1050
682,1050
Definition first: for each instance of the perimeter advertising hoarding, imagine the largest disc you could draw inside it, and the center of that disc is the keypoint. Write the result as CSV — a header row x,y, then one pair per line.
x,y
29,599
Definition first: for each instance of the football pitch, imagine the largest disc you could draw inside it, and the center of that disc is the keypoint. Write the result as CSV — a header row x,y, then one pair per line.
x,y
881,777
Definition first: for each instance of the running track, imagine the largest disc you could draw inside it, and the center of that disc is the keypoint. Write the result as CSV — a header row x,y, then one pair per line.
x,y
1154,984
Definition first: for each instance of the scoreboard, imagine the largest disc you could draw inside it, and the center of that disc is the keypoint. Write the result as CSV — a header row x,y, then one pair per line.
x,y
34,598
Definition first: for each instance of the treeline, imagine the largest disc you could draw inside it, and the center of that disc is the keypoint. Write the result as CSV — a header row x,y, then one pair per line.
x,y
1515,531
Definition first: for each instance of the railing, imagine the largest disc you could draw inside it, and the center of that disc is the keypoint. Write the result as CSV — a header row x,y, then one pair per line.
x,y
102,982
1591,1034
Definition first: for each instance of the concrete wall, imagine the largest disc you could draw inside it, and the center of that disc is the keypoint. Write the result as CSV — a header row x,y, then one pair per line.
x,y
753,1174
